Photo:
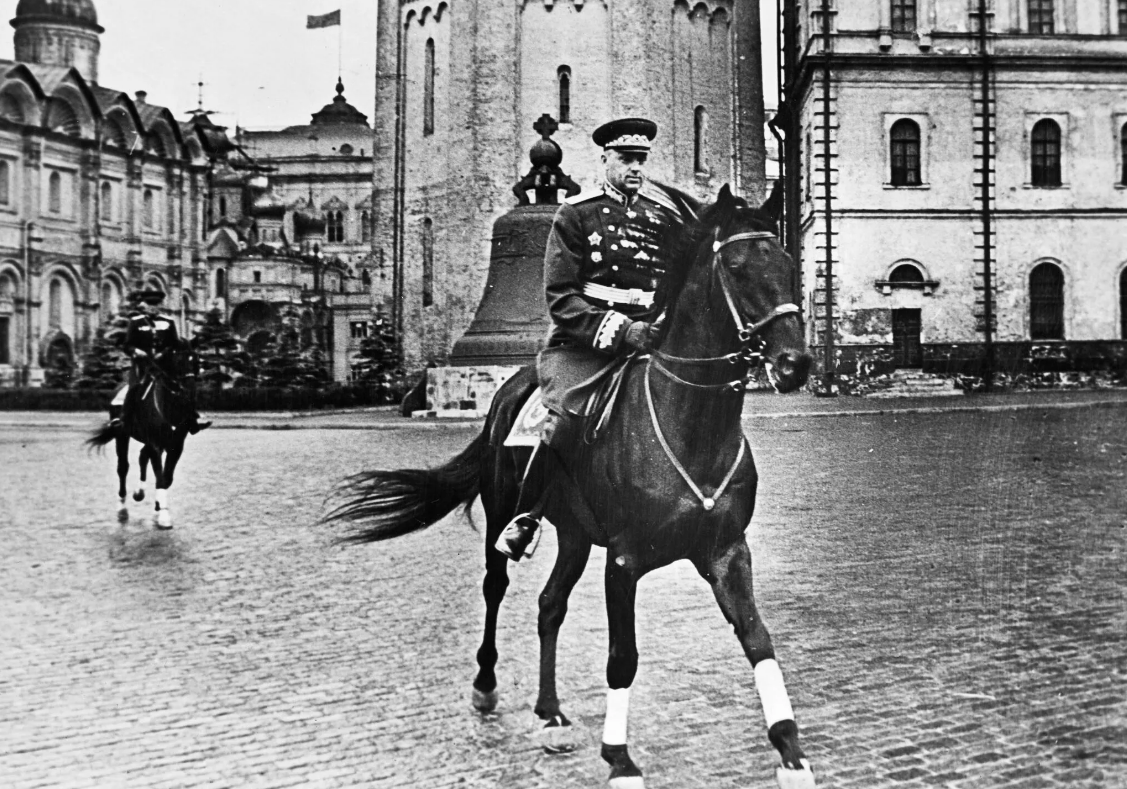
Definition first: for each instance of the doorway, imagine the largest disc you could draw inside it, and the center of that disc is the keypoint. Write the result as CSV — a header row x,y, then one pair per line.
x,y
906,348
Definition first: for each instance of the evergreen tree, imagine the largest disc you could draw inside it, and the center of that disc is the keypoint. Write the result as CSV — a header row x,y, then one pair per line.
x,y
222,359
285,363
105,364
377,362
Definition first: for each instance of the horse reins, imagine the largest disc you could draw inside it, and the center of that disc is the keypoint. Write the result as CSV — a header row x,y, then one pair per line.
x,y
747,333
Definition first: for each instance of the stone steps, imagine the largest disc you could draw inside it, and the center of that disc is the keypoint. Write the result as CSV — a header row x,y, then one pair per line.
x,y
915,384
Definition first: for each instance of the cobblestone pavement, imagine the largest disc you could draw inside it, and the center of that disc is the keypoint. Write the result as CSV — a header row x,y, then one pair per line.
x,y
945,591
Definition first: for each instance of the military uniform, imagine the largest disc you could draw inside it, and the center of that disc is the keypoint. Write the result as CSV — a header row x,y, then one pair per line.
x,y
604,267
152,334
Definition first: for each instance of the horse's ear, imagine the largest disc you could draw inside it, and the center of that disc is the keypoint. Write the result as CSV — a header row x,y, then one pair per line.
x,y
725,195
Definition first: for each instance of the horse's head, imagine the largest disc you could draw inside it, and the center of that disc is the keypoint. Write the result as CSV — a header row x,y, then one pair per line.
x,y
184,366
739,293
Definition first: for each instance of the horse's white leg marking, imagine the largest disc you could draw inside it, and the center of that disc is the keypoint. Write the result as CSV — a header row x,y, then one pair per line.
x,y
164,515
618,709
772,692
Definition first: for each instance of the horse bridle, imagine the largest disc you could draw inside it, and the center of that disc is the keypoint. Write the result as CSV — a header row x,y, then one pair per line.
x,y
749,334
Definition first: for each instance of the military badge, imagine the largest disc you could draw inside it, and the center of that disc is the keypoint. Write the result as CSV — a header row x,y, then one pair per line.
x,y
596,257
594,239
642,256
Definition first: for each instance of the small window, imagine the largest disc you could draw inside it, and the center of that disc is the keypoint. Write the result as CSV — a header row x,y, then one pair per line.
x,y
564,75
346,150
1123,150
1041,17
5,341
147,213
222,207
359,329
903,16
220,283
55,193
1045,153
1121,13
428,89
1046,302
5,183
700,130
428,262
334,226
258,277
906,273
905,153
1123,304
106,202
365,278
365,227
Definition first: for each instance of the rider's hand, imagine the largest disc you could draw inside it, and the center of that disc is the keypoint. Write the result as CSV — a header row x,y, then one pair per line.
x,y
140,353
640,336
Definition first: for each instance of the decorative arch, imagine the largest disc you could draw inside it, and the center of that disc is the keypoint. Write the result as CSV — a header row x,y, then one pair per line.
x,y
12,106
907,274
59,293
254,317
1047,283
154,279
62,118
112,295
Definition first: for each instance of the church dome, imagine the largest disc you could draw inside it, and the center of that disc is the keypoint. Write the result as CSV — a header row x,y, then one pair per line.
x,y
340,112
80,13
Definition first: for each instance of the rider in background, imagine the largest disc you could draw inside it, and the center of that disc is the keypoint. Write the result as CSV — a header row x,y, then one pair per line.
x,y
604,266
149,337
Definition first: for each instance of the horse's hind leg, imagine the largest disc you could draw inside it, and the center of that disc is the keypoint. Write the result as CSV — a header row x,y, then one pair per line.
x,y
730,575
493,589
142,464
557,736
122,446
622,664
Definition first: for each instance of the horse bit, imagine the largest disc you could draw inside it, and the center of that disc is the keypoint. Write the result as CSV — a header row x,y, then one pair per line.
x,y
749,333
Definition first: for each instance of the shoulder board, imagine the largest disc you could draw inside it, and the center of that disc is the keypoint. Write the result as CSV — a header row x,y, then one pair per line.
x,y
584,196
658,195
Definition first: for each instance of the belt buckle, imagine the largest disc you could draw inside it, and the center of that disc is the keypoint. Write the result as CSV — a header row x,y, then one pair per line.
x,y
635,296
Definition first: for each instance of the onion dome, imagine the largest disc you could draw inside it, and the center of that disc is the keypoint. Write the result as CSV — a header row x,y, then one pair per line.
x,y
308,222
268,204
340,112
79,13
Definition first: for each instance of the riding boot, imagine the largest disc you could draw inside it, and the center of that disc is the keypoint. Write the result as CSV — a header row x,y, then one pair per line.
x,y
517,536
197,425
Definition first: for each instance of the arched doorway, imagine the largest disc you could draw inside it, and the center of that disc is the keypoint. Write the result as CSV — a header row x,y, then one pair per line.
x,y
1046,302
56,357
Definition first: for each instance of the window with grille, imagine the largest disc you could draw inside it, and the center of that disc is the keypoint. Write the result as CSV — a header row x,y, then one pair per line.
x,y
1041,17
359,329
428,262
428,89
1045,153
1046,302
903,16
564,74
334,226
905,153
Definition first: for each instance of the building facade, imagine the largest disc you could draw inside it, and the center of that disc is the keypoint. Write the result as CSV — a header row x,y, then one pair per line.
x,y
970,181
100,193
459,87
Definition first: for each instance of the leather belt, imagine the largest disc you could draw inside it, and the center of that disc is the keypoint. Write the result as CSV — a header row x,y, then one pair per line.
x,y
631,296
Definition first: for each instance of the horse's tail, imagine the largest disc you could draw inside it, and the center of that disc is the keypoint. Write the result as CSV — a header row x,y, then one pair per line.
x,y
100,437
394,503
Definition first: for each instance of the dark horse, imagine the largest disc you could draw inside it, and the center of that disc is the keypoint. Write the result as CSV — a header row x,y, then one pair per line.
x,y
669,477
158,412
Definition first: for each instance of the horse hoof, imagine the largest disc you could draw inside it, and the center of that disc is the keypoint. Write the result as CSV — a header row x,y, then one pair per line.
x,y
484,701
559,736
139,495
163,520
628,782
795,779
122,514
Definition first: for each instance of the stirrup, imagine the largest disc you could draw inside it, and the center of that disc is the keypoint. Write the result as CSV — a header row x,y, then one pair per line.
x,y
516,538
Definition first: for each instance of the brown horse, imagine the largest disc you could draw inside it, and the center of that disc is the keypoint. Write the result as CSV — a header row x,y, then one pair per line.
x,y
669,477
158,413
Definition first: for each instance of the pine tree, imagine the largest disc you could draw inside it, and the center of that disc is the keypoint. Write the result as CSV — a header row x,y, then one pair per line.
x,y
222,359
285,363
378,364
105,364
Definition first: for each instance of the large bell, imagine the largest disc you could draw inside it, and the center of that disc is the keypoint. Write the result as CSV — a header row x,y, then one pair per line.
x,y
511,323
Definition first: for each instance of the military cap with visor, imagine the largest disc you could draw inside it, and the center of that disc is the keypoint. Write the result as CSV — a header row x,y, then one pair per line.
x,y
625,134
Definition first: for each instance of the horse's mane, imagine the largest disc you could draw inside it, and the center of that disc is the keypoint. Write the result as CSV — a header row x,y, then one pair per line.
x,y
710,218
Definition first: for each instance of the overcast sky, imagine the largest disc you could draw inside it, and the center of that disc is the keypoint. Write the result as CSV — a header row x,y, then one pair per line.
x,y
261,68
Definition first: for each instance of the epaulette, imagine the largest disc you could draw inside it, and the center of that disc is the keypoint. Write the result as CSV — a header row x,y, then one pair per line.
x,y
653,192
583,197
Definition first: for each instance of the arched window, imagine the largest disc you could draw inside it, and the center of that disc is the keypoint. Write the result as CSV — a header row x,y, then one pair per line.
x,y
366,279
563,73
105,208
55,193
428,89
7,297
55,303
334,226
1045,153
903,16
5,183
365,227
428,262
220,283
1046,302
147,209
906,273
1041,17
905,153
700,129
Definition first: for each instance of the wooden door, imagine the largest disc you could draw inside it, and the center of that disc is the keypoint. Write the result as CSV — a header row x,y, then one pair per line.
x,y
906,349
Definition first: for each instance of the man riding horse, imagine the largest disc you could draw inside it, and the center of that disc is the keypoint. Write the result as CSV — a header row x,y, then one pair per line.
x,y
606,260
148,339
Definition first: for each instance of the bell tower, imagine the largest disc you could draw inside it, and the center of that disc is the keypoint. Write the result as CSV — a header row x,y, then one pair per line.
x,y
59,33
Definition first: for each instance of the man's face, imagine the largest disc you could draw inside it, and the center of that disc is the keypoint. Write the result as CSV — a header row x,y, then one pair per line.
x,y
626,170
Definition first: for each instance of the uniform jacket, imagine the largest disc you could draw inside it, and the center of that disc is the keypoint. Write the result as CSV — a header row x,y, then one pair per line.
x,y
602,238
154,335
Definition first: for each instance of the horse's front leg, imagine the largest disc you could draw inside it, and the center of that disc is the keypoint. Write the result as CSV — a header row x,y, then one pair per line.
x,y
558,735
622,664
163,517
121,444
143,465
730,575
